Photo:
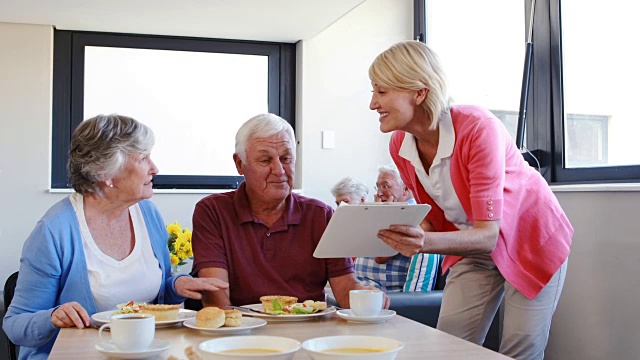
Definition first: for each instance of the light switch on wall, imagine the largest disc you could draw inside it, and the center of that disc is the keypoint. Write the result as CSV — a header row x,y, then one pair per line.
x,y
328,139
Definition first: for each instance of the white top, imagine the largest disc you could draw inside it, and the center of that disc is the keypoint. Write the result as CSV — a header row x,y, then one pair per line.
x,y
438,182
136,277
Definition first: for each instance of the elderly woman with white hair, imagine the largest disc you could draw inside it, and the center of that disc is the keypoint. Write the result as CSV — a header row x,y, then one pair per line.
x,y
350,191
103,245
391,274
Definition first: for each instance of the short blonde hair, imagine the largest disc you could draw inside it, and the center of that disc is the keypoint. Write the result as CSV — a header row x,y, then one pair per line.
x,y
412,65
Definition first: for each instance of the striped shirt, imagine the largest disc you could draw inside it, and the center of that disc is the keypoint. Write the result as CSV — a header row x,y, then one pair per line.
x,y
400,273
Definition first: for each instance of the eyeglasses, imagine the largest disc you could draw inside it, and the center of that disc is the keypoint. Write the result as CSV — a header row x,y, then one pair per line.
x,y
384,187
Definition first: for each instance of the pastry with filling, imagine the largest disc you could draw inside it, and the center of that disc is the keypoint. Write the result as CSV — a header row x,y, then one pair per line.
x,y
162,312
268,301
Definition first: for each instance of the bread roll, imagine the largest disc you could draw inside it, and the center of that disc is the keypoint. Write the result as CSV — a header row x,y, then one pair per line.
x,y
210,317
232,318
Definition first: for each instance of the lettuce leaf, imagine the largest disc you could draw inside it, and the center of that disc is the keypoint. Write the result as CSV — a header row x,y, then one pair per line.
x,y
302,310
277,305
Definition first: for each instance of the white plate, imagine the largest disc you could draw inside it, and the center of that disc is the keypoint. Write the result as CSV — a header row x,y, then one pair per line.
x,y
184,314
247,324
382,317
108,348
296,317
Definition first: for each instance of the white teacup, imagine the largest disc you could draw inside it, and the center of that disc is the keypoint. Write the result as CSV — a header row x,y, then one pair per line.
x,y
131,332
366,302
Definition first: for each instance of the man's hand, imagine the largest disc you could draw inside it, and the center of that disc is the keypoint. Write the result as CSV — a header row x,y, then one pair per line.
x,y
385,303
69,315
383,259
190,287
389,198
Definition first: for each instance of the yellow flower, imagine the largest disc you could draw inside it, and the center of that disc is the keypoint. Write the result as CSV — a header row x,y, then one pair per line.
x,y
174,228
179,243
187,234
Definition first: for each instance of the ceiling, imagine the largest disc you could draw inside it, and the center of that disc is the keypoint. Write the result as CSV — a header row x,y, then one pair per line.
x,y
266,20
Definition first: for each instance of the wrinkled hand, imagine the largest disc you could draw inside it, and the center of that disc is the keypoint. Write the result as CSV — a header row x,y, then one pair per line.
x,y
389,198
387,301
69,315
383,259
192,287
407,240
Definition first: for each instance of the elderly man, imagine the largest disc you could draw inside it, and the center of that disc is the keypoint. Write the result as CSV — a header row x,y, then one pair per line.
x,y
389,186
395,273
261,237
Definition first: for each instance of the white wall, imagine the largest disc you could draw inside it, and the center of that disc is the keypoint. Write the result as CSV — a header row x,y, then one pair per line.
x,y
598,316
335,92
25,111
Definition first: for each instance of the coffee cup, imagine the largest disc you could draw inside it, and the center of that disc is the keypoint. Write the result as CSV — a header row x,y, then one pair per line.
x,y
131,332
366,302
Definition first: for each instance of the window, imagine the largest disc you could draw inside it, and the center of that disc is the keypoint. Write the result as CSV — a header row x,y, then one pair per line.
x,y
193,93
587,135
598,77
580,118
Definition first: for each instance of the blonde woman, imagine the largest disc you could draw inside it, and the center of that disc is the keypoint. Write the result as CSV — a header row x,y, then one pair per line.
x,y
495,218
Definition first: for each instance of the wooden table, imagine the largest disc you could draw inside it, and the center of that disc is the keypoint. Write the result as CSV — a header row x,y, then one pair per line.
x,y
420,341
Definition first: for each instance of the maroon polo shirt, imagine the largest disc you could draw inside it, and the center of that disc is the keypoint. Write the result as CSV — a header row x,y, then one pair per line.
x,y
263,260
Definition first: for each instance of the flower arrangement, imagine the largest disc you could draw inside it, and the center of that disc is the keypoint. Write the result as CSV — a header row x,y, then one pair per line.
x,y
179,244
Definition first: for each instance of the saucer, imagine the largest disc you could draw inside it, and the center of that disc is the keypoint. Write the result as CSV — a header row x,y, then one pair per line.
x,y
382,317
109,348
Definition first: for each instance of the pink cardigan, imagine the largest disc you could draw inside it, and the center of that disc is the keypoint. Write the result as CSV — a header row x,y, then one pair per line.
x,y
493,182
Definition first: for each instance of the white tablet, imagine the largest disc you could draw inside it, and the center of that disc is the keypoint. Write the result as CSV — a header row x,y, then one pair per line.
x,y
353,229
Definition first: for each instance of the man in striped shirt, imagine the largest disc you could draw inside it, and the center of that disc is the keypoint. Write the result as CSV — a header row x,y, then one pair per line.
x,y
395,273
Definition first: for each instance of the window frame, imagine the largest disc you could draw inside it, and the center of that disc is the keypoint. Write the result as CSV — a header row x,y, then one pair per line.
x,y
68,91
545,114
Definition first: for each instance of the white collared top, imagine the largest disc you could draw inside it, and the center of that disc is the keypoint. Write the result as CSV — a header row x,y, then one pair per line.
x,y
437,183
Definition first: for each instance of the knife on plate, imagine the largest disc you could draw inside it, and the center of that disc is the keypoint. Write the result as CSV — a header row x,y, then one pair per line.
x,y
246,309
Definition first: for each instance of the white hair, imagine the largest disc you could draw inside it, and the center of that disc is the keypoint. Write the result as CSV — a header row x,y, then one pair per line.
x,y
262,126
100,146
391,169
351,187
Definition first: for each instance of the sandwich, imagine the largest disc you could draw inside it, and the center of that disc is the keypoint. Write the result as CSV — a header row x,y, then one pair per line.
x,y
232,318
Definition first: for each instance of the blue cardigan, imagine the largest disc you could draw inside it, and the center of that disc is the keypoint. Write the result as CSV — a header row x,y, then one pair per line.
x,y
53,271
